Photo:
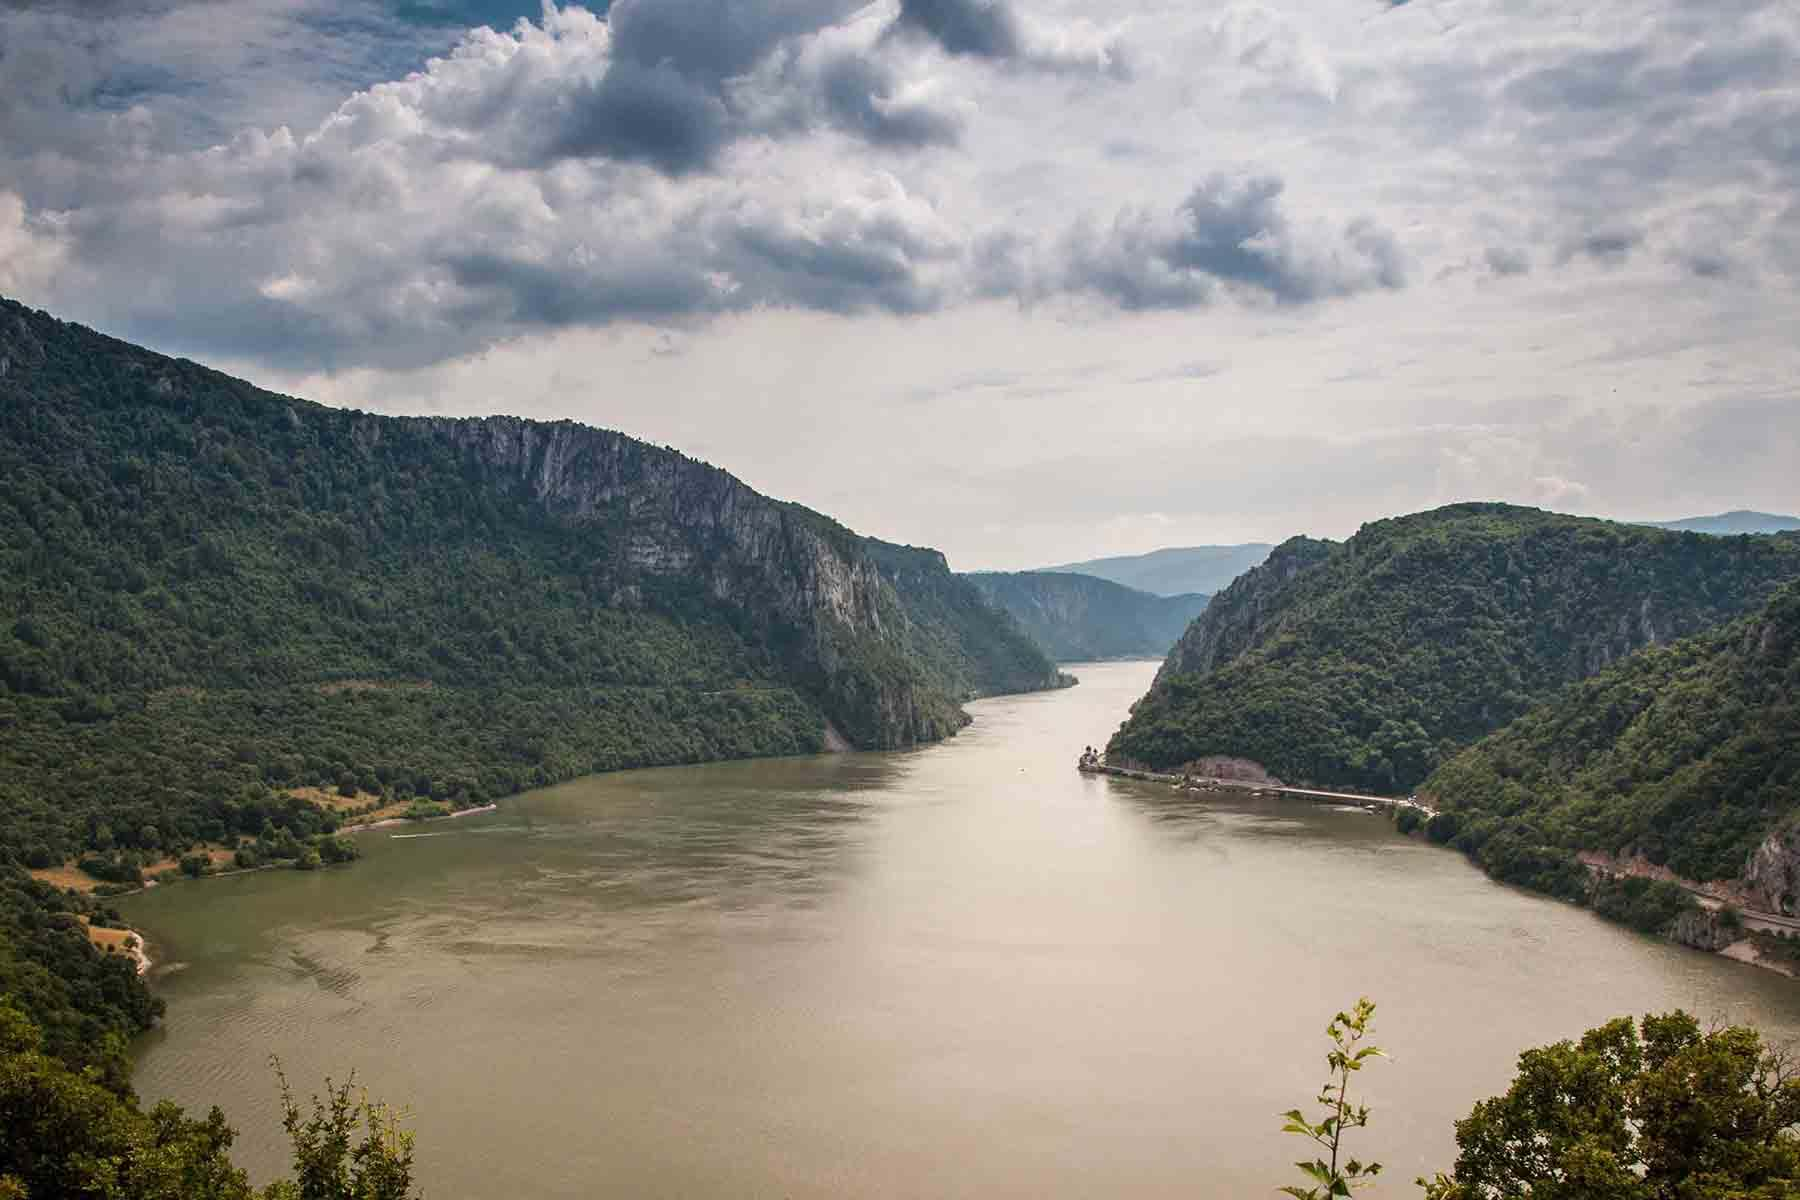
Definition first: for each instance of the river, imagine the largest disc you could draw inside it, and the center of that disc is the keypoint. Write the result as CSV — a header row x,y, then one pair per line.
x,y
964,970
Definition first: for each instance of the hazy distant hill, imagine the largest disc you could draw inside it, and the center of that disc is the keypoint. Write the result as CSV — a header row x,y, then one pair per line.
x,y
1369,662
1177,571
1734,522
1687,754
213,597
1078,617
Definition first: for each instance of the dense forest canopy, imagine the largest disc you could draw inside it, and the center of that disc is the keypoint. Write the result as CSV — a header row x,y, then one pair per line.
x,y
212,596
1686,754
1368,663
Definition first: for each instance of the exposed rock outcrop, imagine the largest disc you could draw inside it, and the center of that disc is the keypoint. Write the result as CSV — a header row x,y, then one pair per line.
x,y
1772,874
1242,615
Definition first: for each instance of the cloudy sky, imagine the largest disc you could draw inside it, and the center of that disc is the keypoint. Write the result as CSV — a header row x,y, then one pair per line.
x,y
1028,280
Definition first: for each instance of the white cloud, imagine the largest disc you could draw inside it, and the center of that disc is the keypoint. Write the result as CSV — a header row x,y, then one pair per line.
x,y
30,250
1502,249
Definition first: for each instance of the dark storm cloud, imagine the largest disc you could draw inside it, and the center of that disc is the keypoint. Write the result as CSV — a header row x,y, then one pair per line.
x,y
992,30
879,264
983,28
1231,234
688,78
650,114
532,294
857,93
713,39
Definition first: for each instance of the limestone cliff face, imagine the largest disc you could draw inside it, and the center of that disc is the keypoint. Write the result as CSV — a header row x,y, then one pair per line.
x,y
1773,873
1240,615
686,518
887,658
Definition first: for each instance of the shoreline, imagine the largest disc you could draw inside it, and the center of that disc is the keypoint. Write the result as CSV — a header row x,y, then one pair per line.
x,y
136,945
1743,950
390,822
119,939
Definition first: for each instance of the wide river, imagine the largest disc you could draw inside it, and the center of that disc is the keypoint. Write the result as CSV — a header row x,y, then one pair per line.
x,y
959,971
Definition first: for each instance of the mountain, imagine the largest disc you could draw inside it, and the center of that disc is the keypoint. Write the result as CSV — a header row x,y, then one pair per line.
x,y
1075,618
1368,663
1177,571
1731,523
214,599
1686,754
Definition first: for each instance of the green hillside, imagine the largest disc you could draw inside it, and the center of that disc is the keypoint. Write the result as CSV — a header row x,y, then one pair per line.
x,y
1370,662
1687,754
212,596
1077,618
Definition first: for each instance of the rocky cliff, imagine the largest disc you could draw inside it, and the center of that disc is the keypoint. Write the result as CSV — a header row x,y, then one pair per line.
x,y
1772,872
790,577
459,605
1246,610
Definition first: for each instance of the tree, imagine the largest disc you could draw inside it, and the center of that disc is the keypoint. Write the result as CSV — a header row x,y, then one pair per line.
x,y
346,1149
76,1134
1329,1178
1659,1110
66,1135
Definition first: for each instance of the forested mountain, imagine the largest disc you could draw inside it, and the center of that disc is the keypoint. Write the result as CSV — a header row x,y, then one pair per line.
x,y
1176,571
211,596
1731,523
1686,754
1074,618
1367,663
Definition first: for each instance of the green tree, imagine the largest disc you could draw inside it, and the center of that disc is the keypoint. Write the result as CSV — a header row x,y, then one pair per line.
x,y
345,1149
67,1135
1331,1174
71,1133
1659,1110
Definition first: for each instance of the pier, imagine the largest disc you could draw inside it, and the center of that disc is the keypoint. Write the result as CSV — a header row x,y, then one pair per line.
x,y
1090,763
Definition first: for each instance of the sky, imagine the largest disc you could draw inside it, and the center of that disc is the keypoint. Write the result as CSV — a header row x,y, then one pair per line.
x,y
1030,281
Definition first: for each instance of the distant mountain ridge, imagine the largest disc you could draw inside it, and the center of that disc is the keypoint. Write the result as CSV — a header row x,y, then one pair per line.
x,y
1075,618
1174,571
1738,521
1369,662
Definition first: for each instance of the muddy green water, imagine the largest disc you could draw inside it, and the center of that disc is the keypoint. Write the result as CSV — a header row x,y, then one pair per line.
x,y
960,971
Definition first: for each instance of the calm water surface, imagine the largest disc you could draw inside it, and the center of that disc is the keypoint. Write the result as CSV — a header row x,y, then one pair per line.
x,y
960,971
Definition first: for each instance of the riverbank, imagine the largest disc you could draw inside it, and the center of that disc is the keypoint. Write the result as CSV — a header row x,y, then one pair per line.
x,y
1727,927
1266,786
900,919
119,941
390,822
